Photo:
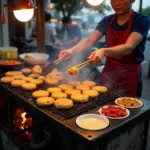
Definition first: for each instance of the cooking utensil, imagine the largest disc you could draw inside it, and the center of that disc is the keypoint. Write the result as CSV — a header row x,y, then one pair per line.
x,y
75,69
58,60
50,66
82,65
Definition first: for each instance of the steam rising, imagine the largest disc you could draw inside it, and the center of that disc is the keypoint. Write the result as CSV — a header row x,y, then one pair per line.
x,y
84,74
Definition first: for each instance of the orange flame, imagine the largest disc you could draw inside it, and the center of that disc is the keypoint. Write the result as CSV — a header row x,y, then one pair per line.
x,y
23,117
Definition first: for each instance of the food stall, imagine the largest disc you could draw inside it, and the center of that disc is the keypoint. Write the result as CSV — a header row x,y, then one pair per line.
x,y
88,116
119,130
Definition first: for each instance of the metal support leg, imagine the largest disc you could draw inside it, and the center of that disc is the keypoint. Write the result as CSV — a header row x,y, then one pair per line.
x,y
101,147
89,147
1,147
66,141
74,145
145,140
38,130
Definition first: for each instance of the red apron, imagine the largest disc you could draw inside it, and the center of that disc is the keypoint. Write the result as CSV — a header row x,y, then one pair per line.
x,y
121,72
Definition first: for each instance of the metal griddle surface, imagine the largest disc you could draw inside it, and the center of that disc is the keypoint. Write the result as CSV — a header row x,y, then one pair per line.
x,y
77,109
47,69
57,118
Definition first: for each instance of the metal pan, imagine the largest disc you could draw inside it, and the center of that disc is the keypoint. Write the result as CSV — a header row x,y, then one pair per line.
x,y
48,68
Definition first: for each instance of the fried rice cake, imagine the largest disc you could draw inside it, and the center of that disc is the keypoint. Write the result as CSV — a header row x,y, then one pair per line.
x,y
45,101
91,93
58,95
80,98
40,93
100,89
89,83
63,103
65,87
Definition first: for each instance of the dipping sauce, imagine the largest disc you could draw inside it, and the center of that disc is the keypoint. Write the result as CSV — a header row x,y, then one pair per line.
x,y
129,102
114,112
93,123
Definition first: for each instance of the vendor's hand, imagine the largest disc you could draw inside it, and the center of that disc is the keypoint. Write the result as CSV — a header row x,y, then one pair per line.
x,y
66,54
97,56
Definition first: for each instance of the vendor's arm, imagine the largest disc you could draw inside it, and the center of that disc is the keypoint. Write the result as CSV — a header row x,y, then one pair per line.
x,y
89,41
139,32
124,49
120,50
84,44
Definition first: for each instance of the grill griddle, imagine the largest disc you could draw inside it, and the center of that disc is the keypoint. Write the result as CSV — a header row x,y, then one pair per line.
x,y
79,108
47,69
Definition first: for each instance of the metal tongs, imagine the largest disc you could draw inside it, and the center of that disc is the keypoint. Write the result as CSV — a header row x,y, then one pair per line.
x,y
74,70
56,62
52,65
82,65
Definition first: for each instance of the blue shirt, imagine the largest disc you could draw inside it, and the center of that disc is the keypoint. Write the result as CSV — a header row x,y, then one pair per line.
x,y
140,24
74,32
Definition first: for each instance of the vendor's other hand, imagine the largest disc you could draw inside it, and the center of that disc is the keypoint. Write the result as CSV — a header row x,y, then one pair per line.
x,y
66,54
96,57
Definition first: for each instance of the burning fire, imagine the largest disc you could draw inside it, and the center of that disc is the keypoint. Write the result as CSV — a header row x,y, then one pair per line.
x,y
22,122
23,117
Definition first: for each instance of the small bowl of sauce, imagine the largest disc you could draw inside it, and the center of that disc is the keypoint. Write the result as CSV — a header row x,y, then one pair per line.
x,y
92,122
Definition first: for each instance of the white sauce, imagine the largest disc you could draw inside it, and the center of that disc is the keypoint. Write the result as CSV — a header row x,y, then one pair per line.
x,y
92,123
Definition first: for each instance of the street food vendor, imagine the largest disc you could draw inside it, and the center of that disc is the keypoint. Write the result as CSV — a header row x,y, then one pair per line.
x,y
126,33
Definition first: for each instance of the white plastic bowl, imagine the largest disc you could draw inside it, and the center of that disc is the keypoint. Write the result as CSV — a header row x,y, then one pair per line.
x,y
92,116
38,58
